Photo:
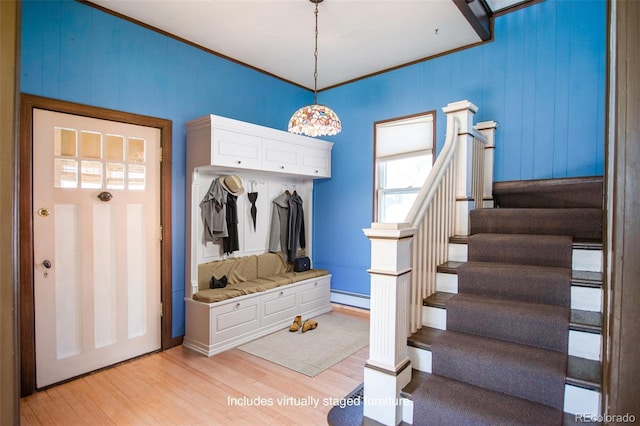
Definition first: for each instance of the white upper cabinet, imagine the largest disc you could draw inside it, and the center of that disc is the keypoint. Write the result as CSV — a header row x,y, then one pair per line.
x,y
232,149
280,156
223,143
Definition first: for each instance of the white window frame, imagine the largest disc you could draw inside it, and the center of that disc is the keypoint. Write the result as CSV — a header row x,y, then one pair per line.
x,y
383,135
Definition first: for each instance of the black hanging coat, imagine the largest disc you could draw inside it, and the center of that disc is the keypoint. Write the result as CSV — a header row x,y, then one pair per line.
x,y
231,243
296,232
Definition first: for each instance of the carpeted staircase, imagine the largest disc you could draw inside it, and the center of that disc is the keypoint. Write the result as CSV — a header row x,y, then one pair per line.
x,y
503,358
503,355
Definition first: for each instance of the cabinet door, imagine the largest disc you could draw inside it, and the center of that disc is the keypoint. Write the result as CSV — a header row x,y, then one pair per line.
x,y
280,156
315,162
315,294
237,150
235,318
280,305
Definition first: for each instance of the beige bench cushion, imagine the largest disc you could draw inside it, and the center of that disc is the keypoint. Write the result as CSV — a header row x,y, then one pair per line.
x,y
237,269
305,275
213,269
270,264
248,275
217,295
255,286
244,269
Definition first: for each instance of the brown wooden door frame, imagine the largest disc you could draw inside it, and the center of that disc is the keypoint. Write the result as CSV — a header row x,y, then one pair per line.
x,y
622,365
27,319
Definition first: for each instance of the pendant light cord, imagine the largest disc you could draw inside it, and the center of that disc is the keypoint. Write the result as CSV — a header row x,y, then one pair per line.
x,y
315,55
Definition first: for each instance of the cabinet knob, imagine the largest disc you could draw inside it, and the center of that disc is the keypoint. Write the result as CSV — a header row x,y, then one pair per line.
x,y
239,161
316,171
282,167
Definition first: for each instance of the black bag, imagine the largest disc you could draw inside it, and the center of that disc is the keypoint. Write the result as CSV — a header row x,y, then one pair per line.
x,y
218,283
301,264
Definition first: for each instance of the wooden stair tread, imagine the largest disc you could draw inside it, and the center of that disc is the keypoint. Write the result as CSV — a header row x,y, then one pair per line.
x,y
578,278
581,372
577,244
587,321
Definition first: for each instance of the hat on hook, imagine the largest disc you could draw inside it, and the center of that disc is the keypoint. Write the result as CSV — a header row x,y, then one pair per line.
x,y
232,183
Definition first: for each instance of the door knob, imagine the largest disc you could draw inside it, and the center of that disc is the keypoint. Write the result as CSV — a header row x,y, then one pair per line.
x,y
105,196
47,264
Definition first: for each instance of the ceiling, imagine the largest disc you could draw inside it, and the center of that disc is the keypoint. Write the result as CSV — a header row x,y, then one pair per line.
x,y
356,38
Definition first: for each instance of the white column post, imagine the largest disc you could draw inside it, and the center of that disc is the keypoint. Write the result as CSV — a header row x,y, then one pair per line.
x,y
488,130
192,248
388,368
464,112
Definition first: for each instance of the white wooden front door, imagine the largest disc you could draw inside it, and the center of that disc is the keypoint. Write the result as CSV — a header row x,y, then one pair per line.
x,y
96,224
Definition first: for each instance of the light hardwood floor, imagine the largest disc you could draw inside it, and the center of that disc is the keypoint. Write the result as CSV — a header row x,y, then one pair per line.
x,y
180,387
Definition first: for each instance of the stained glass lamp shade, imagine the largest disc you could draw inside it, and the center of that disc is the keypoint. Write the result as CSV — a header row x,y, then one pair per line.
x,y
315,120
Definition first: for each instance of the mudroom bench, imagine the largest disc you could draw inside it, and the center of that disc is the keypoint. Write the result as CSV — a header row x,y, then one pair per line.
x,y
262,295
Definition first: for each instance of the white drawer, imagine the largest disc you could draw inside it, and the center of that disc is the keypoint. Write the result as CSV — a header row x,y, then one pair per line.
x,y
235,318
279,306
315,293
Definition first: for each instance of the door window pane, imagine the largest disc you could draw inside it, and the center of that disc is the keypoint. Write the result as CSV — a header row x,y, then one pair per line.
x,y
91,144
91,174
64,142
115,176
136,152
114,148
66,173
137,176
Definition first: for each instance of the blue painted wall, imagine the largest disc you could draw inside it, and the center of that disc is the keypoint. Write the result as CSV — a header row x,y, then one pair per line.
x,y
79,54
542,79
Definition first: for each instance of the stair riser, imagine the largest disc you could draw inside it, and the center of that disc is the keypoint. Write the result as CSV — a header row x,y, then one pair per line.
x,y
577,400
581,344
583,260
582,298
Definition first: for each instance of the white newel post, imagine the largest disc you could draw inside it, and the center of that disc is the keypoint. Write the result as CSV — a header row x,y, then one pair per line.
x,y
488,130
464,112
388,368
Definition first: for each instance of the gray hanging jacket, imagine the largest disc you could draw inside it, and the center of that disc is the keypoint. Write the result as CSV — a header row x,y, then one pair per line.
x,y
279,232
212,208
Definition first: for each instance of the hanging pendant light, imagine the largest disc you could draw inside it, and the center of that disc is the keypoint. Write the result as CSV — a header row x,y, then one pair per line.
x,y
315,120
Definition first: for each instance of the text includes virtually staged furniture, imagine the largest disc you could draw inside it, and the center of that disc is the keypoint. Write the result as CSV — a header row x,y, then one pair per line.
x,y
262,293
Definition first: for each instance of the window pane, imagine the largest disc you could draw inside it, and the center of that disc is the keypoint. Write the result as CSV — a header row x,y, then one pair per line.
x,y
91,144
91,174
115,176
408,172
64,142
137,176
394,207
136,152
66,173
114,148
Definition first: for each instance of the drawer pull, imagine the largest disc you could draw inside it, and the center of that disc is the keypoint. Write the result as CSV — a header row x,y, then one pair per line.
x,y
239,161
282,167
237,305
281,293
